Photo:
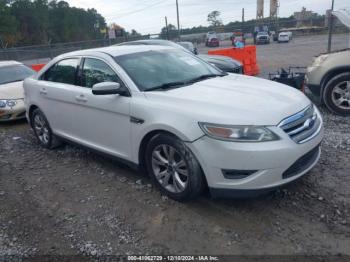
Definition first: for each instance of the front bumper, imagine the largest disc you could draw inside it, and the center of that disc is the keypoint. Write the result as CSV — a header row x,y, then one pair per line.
x,y
14,113
313,82
262,41
269,160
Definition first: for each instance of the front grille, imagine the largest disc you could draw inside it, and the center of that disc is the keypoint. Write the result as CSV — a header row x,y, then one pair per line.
x,y
302,126
302,163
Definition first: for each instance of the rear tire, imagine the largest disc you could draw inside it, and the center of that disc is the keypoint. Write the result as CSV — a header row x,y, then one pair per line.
x,y
42,130
174,168
336,95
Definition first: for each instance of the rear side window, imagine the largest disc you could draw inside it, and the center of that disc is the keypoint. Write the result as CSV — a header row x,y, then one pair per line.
x,y
63,72
96,71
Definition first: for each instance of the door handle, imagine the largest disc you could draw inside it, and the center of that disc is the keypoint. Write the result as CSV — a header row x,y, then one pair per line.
x,y
81,98
43,91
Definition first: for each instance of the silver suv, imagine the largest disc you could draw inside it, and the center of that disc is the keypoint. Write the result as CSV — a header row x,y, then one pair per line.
x,y
328,78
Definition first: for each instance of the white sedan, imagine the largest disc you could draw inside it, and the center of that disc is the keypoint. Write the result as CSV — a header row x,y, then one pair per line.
x,y
283,37
12,75
183,121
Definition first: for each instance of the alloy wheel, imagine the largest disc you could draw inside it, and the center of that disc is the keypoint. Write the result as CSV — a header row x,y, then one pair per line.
x,y
170,168
41,128
341,95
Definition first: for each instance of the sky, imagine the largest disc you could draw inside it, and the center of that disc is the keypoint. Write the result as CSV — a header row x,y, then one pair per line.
x,y
147,16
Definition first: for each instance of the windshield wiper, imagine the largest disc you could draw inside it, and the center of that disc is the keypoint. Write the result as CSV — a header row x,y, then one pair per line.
x,y
169,85
204,77
166,86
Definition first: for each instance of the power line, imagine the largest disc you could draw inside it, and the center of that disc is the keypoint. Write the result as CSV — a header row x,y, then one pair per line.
x,y
136,11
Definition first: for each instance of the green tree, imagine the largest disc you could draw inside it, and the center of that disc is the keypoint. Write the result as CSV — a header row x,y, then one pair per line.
x,y
30,22
134,33
8,26
173,33
214,19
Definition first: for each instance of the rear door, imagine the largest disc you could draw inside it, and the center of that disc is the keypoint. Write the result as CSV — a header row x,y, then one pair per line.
x,y
55,94
101,121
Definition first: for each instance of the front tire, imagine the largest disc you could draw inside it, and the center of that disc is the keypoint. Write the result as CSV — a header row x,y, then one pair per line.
x,y
42,130
336,94
174,168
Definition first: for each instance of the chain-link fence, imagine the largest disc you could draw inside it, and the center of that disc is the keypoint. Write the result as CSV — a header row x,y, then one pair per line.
x,y
43,53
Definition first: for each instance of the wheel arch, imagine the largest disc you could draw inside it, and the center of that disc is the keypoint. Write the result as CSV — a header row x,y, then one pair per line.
x,y
30,112
144,142
142,151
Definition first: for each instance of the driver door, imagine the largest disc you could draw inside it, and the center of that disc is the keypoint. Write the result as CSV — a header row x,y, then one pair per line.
x,y
101,122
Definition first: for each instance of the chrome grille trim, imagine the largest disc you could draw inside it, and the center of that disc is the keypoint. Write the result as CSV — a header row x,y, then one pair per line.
x,y
302,126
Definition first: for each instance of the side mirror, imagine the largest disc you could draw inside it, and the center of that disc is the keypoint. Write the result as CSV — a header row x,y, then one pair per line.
x,y
106,88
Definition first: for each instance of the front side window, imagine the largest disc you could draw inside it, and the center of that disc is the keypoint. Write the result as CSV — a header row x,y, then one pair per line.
x,y
96,71
155,68
14,73
63,72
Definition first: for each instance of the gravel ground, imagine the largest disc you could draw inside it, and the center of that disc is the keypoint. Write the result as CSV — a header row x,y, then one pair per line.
x,y
70,201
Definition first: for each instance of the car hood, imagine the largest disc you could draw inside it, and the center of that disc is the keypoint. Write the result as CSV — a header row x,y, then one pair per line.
x,y
12,90
234,100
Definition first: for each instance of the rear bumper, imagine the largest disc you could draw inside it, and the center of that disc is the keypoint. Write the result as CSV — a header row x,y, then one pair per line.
x,y
212,43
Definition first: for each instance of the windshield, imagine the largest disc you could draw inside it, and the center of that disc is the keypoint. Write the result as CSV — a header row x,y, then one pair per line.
x,y
14,73
152,69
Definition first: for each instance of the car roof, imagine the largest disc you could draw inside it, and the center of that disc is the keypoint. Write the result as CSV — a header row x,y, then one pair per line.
x,y
150,42
9,63
119,50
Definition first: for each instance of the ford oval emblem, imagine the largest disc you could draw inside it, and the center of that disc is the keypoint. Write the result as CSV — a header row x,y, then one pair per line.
x,y
310,123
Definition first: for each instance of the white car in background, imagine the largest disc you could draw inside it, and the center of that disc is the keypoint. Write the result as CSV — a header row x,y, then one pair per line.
x,y
283,37
12,74
175,116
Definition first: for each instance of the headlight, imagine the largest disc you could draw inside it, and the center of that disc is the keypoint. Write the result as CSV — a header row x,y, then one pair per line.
x,y
2,103
238,133
10,103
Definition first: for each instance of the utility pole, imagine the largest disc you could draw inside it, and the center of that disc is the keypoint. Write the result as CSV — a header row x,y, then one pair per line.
x,y
167,29
243,15
330,27
178,19
243,29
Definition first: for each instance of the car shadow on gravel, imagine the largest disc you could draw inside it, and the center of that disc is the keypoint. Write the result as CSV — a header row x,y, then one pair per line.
x,y
13,123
